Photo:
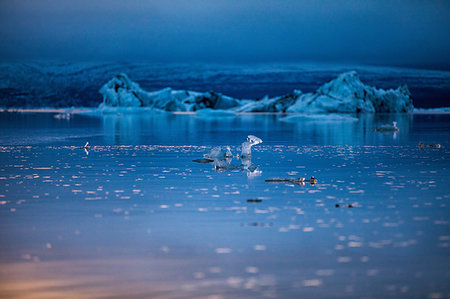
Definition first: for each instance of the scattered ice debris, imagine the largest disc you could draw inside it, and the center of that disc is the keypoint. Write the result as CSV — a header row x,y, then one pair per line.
x,y
344,94
298,181
388,128
222,160
65,116
223,250
422,146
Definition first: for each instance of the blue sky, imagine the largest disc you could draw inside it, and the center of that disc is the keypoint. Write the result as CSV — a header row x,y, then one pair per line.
x,y
411,33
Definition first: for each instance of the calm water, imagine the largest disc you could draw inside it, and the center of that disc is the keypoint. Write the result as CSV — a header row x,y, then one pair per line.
x,y
133,216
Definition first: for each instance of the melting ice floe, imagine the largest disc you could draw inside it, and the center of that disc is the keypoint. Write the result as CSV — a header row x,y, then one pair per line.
x,y
344,94
222,160
216,153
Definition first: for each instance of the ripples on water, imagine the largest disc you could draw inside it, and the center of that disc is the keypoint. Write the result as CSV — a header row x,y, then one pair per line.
x,y
130,216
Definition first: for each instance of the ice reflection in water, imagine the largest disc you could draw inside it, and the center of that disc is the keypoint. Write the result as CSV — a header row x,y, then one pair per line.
x,y
144,220
222,161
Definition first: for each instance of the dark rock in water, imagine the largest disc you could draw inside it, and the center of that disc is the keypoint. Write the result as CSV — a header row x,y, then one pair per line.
x,y
422,146
347,206
254,200
203,160
258,224
298,181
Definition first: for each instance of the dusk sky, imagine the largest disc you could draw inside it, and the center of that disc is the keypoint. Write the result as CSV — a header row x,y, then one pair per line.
x,y
409,33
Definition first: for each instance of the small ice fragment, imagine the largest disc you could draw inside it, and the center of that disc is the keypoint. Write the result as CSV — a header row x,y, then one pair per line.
x,y
312,283
344,259
259,247
223,250
388,128
234,282
251,269
247,145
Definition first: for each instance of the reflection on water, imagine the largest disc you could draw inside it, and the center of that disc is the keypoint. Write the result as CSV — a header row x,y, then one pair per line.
x,y
136,217
164,128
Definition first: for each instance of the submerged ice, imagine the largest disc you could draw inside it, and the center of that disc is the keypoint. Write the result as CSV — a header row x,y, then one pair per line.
x,y
344,94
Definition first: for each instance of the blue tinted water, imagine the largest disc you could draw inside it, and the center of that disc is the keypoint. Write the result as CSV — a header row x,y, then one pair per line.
x,y
134,216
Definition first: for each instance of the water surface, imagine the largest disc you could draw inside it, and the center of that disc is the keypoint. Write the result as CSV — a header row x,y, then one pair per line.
x,y
133,216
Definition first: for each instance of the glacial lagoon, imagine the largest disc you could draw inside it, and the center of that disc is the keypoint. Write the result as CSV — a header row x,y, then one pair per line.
x,y
134,216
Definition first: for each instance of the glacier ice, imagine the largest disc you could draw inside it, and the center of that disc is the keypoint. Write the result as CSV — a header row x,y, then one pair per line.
x,y
216,153
344,94
121,91
388,128
347,94
246,147
222,160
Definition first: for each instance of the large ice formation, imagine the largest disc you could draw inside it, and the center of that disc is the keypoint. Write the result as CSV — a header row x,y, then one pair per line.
x,y
347,94
121,91
344,94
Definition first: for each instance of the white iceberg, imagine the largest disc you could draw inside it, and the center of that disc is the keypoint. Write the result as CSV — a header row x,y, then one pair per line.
x,y
344,94
266,104
347,94
120,91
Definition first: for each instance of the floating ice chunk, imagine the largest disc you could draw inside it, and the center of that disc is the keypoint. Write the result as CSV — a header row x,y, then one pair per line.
x,y
347,94
247,145
228,154
224,165
120,91
217,153
65,116
344,94
388,128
